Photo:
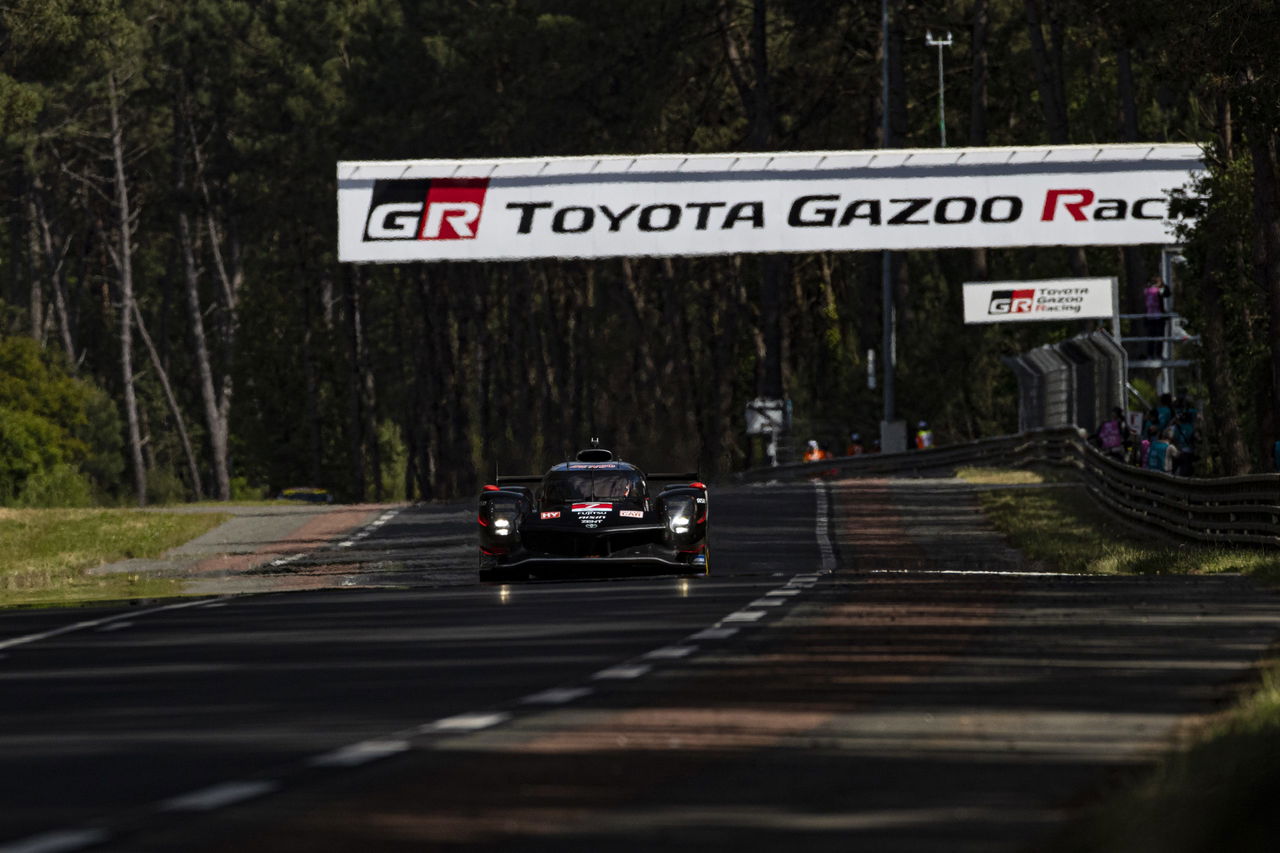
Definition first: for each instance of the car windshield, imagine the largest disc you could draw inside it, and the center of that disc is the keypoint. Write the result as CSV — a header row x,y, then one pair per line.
x,y
564,487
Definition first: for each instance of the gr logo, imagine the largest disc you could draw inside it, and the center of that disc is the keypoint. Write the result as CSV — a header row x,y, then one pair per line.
x,y
1011,301
420,209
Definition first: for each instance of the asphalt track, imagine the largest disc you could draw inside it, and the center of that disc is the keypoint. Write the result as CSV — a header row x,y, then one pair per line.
x,y
918,698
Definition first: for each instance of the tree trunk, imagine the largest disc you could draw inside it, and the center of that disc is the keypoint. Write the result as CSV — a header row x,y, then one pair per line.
x,y
214,421
980,264
216,390
179,422
1047,60
124,263
356,417
1135,268
1266,211
38,271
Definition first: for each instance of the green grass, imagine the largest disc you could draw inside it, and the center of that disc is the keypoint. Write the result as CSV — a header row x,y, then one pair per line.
x,y
1064,529
1218,792
44,553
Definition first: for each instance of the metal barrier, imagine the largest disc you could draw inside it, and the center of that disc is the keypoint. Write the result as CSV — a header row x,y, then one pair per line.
x,y
1224,510
1073,383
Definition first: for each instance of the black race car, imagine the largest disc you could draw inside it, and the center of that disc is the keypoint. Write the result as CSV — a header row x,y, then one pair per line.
x,y
592,515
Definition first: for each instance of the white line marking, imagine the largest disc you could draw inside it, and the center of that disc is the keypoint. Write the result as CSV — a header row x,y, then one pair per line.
x,y
768,602
213,604
671,652
115,626
360,753
975,572
94,623
714,634
744,616
822,529
623,672
217,796
556,696
466,722
56,841
346,544
783,591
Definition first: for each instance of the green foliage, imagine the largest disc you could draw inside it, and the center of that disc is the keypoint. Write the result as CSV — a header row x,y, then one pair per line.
x,y
48,417
241,490
61,485
234,112
29,444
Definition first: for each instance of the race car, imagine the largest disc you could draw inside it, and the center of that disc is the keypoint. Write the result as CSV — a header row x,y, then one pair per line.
x,y
593,515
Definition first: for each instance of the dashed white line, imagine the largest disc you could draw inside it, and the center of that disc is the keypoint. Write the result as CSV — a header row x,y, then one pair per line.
x,y
56,841
473,722
623,672
360,753
95,623
783,591
744,616
217,796
557,696
671,652
768,602
714,634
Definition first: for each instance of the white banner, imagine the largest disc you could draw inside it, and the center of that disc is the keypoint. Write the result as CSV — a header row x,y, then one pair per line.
x,y
665,205
1047,299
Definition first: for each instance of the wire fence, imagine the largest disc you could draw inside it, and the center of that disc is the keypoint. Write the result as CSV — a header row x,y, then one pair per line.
x,y
1076,382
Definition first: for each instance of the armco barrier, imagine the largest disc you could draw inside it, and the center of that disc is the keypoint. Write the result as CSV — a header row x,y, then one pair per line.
x,y
1223,510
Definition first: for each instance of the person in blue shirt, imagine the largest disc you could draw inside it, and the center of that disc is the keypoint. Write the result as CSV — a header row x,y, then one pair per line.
x,y
1163,453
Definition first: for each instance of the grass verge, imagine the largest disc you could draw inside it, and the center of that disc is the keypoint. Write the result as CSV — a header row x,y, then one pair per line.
x,y
44,553
1064,528
1217,792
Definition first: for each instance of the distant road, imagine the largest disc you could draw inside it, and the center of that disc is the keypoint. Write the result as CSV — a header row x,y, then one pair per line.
x,y
887,706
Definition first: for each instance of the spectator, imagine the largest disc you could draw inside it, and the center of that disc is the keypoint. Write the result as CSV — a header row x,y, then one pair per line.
x,y
875,445
1162,454
1184,435
1153,296
814,453
1164,412
924,436
1149,434
855,445
1112,435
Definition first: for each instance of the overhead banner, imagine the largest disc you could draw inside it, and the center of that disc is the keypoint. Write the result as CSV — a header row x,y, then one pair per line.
x,y
667,205
1047,299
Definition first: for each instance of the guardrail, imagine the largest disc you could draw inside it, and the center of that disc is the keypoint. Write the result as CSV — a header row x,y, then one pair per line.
x,y
1221,510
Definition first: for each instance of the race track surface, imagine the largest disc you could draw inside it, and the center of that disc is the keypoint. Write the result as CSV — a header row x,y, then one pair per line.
x,y
930,693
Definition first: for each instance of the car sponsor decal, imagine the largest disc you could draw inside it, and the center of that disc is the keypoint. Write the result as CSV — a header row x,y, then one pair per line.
x,y
631,513
547,515
591,515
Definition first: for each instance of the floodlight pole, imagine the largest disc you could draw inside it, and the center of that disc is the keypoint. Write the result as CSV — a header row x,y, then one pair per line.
x,y
942,101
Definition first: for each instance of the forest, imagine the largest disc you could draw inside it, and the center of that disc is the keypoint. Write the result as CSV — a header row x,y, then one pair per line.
x,y
174,324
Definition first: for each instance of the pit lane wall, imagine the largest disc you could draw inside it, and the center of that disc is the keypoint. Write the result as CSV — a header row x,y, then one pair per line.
x,y
1220,510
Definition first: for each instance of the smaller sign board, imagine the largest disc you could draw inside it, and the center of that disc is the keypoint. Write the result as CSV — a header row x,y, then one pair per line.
x,y
1047,299
766,416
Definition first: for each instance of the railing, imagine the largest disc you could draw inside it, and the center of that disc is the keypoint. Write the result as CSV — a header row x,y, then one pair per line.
x,y
1222,510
